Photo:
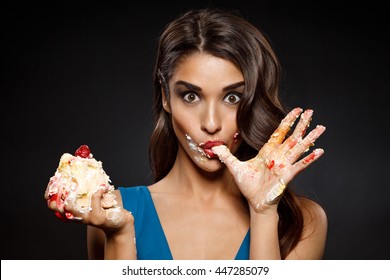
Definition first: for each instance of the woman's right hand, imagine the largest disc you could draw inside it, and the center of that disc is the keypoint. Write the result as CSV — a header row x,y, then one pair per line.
x,y
111,220
116,222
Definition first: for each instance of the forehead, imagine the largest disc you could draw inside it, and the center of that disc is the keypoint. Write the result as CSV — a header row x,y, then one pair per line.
x,y
205,69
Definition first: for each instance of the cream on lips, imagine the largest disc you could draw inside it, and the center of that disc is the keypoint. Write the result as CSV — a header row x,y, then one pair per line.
x,y
207,147
204,149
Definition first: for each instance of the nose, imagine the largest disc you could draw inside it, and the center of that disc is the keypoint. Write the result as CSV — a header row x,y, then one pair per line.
x,y
211,119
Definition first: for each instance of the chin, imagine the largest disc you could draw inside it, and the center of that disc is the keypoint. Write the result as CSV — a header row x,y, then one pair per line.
x,y
208,165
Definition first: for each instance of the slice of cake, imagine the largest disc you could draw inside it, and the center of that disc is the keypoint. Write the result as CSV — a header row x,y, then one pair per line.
x,y
75,180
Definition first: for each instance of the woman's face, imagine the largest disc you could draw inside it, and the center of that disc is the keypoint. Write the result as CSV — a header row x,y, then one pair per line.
x,y
205,92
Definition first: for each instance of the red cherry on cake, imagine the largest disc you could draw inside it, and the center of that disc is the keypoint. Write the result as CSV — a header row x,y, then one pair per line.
x,y
83,151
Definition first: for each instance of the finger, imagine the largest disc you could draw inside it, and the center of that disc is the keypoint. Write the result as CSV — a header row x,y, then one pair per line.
x,y
55,196
284,126
314,134
304,163
70,212
115,215
99,215
96,199
47,191
299,131
307,142
227,158
105,216
52,204
52,187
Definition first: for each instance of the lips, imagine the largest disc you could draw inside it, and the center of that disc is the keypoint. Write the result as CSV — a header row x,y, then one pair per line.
x,y
206,147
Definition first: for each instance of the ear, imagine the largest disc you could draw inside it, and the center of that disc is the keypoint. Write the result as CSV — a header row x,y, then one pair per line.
x,y
165,101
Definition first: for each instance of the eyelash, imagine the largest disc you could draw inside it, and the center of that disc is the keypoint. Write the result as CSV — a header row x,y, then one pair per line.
x,y
187,93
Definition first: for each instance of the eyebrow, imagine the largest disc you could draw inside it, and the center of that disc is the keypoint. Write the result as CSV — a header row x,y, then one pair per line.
x,y
196,88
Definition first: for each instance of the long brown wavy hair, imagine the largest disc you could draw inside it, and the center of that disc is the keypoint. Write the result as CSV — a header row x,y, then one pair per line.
x,y
227,35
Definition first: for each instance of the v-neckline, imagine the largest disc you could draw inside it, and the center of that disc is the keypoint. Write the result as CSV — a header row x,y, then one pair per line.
x,y
165,237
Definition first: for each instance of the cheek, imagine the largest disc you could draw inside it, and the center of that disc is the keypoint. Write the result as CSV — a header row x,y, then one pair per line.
x,y
183,121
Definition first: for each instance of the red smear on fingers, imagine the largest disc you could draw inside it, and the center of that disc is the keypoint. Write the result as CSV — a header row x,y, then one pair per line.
x,y
292,143
309,158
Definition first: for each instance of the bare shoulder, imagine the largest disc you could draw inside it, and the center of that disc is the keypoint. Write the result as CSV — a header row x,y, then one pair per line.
x,y
314,215
315,228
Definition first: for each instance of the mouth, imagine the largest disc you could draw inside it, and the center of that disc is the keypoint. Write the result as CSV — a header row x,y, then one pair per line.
x,y
206,147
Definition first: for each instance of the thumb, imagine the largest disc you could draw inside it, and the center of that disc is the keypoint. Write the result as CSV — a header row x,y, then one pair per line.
x,y
227,158
96,199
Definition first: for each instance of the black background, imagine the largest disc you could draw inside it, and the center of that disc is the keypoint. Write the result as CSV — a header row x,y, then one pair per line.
x,y
78,73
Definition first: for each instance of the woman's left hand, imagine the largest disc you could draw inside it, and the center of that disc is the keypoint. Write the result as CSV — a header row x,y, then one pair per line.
x,y
263,179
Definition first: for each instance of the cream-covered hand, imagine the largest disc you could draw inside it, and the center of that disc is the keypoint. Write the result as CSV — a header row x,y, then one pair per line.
x,y
263,179
80,190
110,220
101,212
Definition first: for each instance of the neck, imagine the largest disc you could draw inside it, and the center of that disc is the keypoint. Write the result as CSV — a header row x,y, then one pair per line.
x,y
186,176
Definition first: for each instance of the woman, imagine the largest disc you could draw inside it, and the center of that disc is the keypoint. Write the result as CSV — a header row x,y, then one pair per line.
x,y
222,155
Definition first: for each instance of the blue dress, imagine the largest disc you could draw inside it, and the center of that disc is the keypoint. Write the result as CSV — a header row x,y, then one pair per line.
x,y
151,242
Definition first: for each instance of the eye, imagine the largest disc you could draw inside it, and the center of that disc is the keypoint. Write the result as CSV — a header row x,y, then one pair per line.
x,y
232,98
191,97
